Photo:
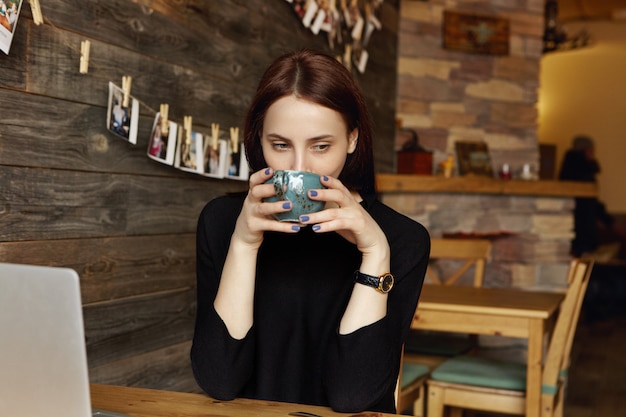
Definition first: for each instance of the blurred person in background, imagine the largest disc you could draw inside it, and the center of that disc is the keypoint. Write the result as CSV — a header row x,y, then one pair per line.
x,y
593,225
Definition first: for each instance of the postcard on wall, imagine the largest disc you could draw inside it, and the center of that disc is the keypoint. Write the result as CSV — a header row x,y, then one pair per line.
x,y
215,154
122,117
9,14
189,153
162,145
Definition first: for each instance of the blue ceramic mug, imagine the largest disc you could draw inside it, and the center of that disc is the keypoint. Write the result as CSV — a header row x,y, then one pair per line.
x,y
294,186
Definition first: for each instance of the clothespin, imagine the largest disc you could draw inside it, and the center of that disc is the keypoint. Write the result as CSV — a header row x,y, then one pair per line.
x,y
126,83
234,138
187,127
165,123
35,9
84,56
347,57
215,133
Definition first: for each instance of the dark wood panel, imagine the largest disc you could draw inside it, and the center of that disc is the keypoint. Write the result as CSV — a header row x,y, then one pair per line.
x,y
219,35
112,268
97,205
167,368
200,91
127,327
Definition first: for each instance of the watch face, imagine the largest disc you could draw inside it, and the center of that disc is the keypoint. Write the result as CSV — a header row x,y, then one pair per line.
x,y
386,283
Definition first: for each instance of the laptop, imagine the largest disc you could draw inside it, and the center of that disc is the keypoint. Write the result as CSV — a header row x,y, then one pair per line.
x,y
43,359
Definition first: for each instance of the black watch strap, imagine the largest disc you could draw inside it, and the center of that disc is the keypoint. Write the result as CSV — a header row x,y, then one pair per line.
x,y
382,283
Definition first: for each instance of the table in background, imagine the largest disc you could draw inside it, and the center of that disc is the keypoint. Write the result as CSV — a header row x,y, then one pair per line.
x,y
142,402
494,311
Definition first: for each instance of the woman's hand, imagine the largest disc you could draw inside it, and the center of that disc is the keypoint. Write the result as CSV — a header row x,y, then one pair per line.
x,y
256,215
345,215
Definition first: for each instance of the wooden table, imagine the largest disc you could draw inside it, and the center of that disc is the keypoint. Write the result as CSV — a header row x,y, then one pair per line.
x,y
141,402
494,311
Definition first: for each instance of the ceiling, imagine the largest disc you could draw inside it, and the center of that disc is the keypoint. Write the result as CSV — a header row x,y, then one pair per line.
x,y
577,10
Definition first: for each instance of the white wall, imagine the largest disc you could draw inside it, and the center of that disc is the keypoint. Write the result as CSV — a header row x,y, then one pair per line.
x,y
583,91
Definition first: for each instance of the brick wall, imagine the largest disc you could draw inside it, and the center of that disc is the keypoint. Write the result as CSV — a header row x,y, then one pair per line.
x,y
530,235
448,95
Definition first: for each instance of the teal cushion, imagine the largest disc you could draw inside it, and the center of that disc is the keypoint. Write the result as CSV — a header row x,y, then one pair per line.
x,y
437,343
411,372
472,370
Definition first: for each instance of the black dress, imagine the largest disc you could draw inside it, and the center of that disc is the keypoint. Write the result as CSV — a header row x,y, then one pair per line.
x,y
293,352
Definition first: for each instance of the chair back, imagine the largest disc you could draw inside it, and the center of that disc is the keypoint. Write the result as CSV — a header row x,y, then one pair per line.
x,y
565,328
474,252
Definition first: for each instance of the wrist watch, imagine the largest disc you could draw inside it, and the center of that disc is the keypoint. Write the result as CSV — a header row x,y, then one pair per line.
x,y
382,284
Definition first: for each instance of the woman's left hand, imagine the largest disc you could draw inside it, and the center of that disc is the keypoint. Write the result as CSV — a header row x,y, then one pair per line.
x,y
345,215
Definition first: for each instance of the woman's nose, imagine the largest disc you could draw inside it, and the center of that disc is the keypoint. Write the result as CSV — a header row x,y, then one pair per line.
x,y
300,162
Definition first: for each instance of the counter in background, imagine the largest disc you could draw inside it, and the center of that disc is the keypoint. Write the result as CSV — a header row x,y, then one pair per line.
x,y
474,184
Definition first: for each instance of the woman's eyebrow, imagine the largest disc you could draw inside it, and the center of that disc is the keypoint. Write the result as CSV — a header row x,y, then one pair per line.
x,y
324,136
277,136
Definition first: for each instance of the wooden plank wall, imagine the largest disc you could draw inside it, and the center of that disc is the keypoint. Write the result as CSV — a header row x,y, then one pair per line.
x,y
74,195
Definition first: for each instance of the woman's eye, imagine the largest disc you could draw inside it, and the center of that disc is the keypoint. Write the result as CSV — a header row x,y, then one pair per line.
x,y
321,147
280,146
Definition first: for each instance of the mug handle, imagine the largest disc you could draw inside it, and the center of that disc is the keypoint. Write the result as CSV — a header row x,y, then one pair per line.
x,y
279,184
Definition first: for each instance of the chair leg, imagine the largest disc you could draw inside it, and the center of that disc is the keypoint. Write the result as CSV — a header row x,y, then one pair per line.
x,y
549,405
434,404
418,405
560,404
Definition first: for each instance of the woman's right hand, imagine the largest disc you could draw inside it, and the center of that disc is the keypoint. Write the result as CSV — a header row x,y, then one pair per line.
x,y
256,215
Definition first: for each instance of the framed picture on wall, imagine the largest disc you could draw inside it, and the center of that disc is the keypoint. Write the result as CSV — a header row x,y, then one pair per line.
x,y
475,33
473,158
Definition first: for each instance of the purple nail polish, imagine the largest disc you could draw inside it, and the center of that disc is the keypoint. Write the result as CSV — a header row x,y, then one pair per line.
x,y
313,193
287,204
316,227
295,228
304,219
325,178
267,171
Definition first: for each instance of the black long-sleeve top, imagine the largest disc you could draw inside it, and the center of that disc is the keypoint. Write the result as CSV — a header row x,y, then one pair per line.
x,y
294,351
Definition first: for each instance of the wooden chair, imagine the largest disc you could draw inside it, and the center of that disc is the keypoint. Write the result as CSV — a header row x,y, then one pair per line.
x,y
433,347
473,251
411,388
428,349
470,382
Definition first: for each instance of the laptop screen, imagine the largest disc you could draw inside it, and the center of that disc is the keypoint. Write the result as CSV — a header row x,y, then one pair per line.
x,y
43,361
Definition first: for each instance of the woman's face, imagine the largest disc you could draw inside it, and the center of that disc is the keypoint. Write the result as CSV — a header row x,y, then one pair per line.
x,y
305,136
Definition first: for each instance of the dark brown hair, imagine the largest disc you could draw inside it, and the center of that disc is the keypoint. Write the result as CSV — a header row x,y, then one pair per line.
x,y
321,79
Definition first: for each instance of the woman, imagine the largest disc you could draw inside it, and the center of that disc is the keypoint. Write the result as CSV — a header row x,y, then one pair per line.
x,y
280,313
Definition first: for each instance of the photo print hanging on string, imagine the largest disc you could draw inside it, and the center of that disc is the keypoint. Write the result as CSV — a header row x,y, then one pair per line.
x,y
123,114
215,153
162,144
9,14
189,148
237,164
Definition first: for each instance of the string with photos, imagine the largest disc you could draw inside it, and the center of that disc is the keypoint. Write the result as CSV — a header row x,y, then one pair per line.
x,y
349,25
85,50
